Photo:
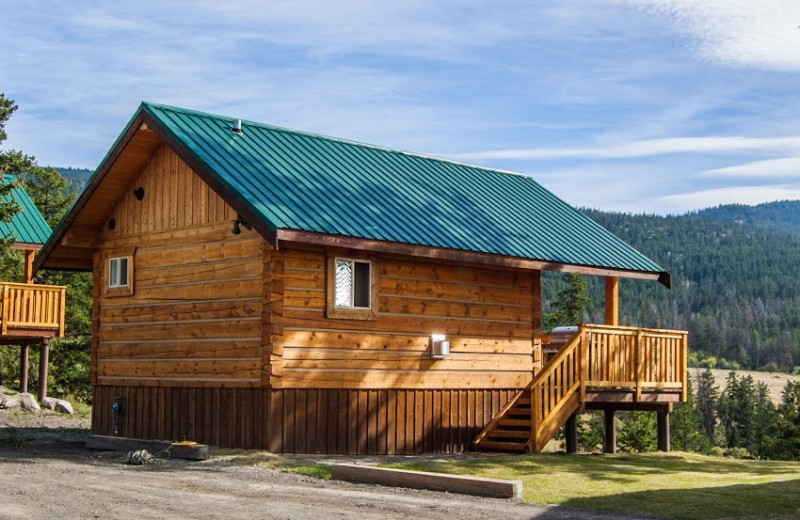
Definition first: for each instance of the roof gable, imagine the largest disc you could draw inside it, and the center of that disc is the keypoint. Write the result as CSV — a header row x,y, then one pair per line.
x,y
27,226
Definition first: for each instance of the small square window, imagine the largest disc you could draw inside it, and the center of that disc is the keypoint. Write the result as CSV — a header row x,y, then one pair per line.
x,y
353,284
118,272
352,289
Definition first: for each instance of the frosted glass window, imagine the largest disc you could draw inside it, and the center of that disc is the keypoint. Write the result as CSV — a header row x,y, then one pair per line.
x,y
344,283
118,272
353,284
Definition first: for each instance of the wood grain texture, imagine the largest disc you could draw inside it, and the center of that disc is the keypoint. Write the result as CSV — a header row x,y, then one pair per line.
x,y
486,314
399,421
194,317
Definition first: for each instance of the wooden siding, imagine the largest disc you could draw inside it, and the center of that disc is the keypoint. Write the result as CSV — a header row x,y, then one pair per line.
x,y
195,314
486,314
303,420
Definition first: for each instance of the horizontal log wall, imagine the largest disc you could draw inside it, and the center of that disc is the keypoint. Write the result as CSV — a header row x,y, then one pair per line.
x,y
486,314
194,317
303,420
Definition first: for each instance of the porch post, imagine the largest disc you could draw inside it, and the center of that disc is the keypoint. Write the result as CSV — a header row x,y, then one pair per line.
x,y
571,428
610,438
44,360
23,369
28,275
612,300
662,416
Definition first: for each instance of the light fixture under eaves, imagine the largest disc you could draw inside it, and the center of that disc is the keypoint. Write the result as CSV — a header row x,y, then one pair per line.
x,y
236,223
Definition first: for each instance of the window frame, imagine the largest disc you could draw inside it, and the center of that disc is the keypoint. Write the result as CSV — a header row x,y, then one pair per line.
x,y
351,312
110,290
119,260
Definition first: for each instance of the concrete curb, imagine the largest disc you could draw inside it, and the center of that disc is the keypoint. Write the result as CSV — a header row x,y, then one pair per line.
x,y
487,487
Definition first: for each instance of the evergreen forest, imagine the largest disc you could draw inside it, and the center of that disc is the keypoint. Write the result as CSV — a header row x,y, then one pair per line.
x,y
734,282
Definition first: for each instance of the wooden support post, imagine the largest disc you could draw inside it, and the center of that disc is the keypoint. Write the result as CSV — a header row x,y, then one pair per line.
x,y
28,276
610,438
572,433
23,369
663,429
612,300
44,360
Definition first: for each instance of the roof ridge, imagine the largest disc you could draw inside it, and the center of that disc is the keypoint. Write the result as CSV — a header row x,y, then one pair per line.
x,y
341,140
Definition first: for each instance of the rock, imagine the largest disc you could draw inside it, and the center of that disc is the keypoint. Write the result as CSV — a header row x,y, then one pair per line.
x,y
24,401
59,405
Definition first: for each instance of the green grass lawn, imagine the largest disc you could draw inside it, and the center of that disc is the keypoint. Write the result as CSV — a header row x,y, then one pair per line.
x,y
674,485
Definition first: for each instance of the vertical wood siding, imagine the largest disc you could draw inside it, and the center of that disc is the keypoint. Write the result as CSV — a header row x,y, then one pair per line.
x,y
303,420
194,318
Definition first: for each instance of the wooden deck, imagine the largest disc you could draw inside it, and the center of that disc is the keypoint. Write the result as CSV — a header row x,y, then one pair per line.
x,y
602,365
29,312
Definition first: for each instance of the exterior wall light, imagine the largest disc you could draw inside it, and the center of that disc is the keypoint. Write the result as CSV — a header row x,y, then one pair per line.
x,y
440,347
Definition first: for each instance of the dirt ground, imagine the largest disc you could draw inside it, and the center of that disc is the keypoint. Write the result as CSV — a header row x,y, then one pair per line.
x,y
46,473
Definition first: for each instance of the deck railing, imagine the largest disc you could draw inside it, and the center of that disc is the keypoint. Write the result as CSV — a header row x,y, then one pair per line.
x,y
32,307
604,357
640,359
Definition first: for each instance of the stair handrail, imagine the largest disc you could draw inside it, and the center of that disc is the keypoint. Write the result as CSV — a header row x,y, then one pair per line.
x,y
576,383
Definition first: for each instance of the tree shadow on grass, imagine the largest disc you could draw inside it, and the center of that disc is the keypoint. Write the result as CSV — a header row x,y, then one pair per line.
x,y
768,500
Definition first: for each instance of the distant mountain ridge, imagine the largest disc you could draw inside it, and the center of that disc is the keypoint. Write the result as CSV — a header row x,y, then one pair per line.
x,y
771,216
76,177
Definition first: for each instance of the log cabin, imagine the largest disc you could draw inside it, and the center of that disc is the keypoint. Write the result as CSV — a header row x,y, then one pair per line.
x,y
259,287
30,314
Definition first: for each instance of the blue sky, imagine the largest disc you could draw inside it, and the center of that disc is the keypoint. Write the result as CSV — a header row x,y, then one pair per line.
x,y
656,106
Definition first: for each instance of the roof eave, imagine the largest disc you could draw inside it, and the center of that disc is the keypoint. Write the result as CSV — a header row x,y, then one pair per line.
x,y
105,165
441,253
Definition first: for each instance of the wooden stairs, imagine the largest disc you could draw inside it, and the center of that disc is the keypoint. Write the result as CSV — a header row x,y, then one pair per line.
x,y
597,356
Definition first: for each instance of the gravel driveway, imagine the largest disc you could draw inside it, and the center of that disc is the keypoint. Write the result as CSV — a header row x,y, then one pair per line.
x,y
51,475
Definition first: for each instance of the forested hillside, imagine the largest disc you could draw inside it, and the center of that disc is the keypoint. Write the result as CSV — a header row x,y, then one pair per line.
x,y
735,279
773,216
76,177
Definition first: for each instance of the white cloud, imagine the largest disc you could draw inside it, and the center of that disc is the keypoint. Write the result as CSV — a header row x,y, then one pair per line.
x,y
648,147
762,34
786,167
750,195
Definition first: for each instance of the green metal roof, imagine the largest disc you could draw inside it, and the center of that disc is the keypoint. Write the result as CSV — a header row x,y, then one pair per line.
x,y
300,181
27,225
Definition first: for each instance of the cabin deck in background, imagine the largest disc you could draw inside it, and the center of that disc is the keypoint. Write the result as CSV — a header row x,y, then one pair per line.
x,y
30,314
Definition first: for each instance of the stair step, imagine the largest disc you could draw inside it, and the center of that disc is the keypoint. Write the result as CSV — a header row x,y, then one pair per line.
x,y
524,400
501,446
519,412
516,422
513,434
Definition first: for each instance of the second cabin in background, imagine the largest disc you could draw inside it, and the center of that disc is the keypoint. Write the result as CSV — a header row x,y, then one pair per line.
x,y
266,288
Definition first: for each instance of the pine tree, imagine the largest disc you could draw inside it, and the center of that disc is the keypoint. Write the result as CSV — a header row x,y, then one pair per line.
x,y
782,439
765,416
638,432
570,304
706,402
8,205
737,410
686,428
591,432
